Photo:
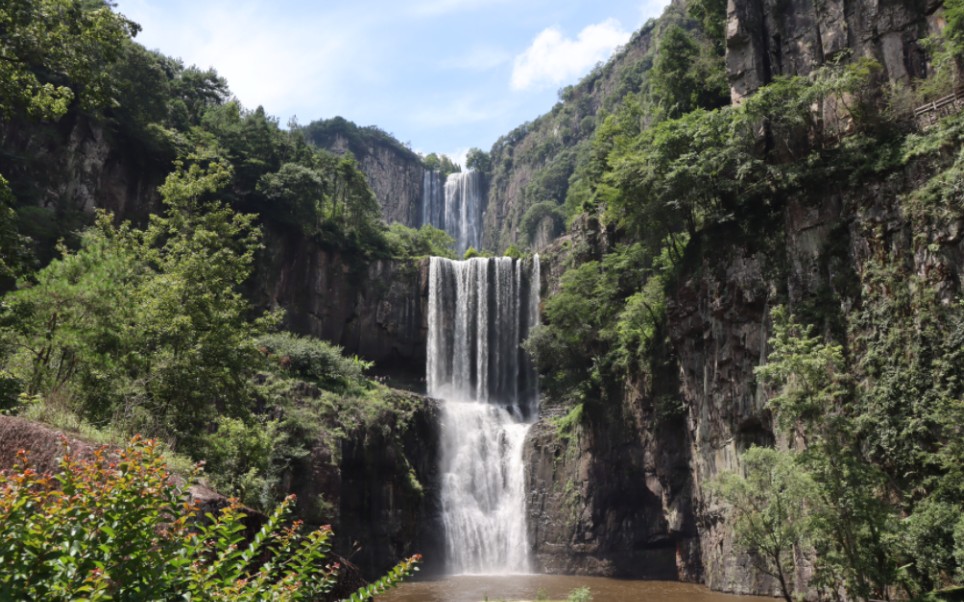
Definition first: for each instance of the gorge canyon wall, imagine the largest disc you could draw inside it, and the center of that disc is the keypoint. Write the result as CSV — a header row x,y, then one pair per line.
x,y
622,491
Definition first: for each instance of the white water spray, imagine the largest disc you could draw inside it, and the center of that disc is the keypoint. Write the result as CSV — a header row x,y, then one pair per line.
x,y
480,310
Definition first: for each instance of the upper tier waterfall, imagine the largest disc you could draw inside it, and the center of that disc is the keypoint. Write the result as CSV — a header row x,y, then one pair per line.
x,y
456,208
480,310
433,199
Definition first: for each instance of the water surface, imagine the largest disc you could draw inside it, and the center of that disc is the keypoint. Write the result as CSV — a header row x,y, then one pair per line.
x,y
526,587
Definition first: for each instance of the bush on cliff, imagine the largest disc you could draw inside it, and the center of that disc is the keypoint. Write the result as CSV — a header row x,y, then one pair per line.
x,y
116,527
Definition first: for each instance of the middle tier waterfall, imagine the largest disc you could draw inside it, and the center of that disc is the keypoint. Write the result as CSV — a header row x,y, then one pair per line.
x,y
480,310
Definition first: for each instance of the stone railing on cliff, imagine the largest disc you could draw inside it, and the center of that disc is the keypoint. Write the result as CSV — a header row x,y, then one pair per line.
x,y
929,114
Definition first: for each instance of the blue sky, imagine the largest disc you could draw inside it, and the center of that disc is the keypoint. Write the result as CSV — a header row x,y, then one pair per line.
x,y
441,75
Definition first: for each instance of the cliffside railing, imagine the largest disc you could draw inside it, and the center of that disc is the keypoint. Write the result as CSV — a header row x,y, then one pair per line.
x,y
928,114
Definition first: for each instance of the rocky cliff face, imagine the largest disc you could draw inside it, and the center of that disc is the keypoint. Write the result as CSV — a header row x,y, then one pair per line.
x,y
396,179
611,491
394,172
533,163
379,487
765,38
376,309
372,309
612,497
78,165
626,493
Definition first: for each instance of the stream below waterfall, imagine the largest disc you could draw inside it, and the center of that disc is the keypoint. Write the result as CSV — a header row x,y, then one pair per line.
x,y
527,587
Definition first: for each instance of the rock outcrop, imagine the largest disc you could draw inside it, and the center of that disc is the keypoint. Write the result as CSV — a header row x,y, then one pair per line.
x,y
378,485
396,179
611,497
374,309
626,493
766,38
371,308
532,164
394,172
611,491
78,165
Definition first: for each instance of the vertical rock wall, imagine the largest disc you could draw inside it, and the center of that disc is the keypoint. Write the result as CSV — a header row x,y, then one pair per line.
x,y
626,493
766,38
374,309
396,178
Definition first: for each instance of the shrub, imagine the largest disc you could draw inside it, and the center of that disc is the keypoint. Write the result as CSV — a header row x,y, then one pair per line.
x,y
404,242
117,528
580,594
314,360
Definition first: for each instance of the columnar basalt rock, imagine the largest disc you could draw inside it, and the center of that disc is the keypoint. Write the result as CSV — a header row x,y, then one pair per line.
x,y
396,178
374,309
767,38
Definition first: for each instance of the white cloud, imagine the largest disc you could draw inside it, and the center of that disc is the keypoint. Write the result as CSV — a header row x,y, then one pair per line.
x,y
552,58
480,58
270,59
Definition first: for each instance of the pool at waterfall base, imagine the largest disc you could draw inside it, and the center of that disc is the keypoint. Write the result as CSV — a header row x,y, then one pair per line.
x,y
513,588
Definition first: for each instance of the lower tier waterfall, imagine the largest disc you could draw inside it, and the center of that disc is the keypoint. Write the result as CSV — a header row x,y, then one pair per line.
x,y
480,310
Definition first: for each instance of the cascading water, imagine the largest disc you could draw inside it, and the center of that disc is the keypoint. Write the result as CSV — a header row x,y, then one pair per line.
x,y
480,310
433,199
457,209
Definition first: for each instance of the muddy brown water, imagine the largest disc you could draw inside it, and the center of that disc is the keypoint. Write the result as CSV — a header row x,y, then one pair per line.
x,y
557,587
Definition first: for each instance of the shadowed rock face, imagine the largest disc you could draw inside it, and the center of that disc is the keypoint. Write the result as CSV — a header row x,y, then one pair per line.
x,y
626,494
376,310
766,38
396,178
611,498
379,487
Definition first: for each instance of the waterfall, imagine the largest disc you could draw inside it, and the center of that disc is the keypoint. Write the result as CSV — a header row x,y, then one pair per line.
x,y
433,199
457,208
480,310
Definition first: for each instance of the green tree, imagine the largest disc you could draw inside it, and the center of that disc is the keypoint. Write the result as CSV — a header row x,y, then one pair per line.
x,y
686,75
769,510
295,193
954,13
854,527
478,160
147,328
192,314
441,164
405,243
711,15
13,246
56,52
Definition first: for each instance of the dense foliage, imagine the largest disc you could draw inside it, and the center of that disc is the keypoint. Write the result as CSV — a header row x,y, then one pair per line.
x,y
116,526
145,329
671,66
115,327
864,484
76,60
53,53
